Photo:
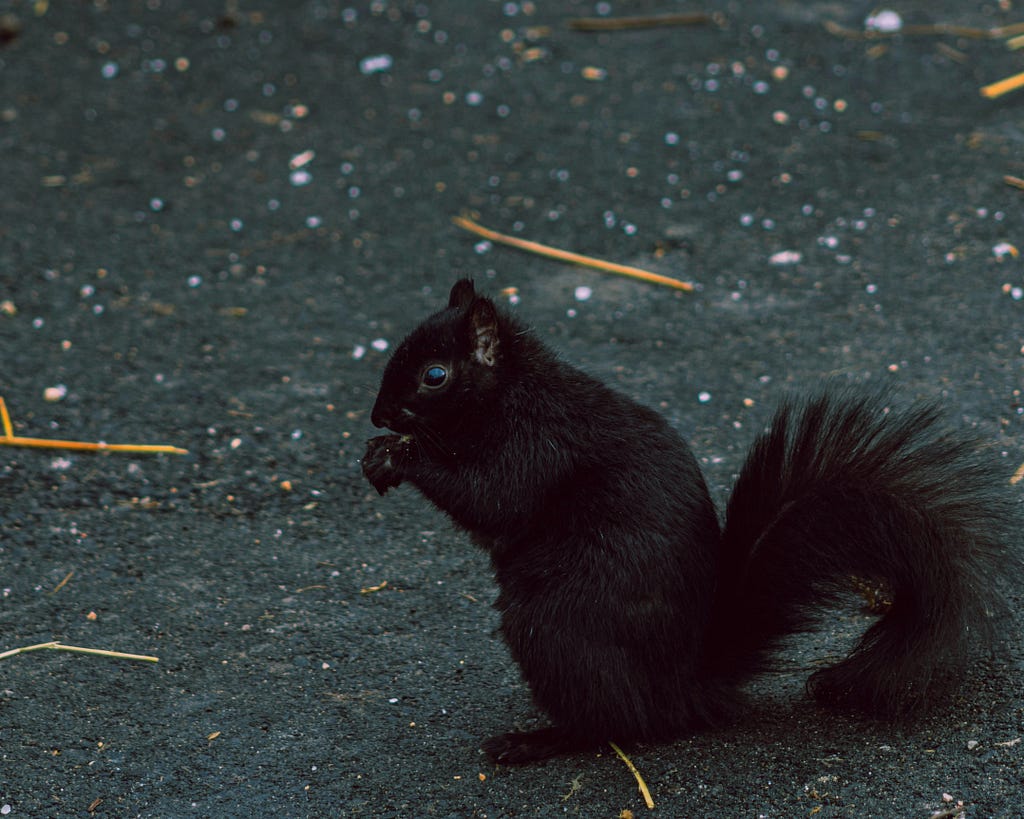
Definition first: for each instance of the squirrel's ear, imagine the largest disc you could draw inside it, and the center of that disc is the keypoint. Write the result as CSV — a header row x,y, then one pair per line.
x,y
462,294
483,323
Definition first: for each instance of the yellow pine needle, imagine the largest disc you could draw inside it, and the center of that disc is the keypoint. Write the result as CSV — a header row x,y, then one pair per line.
x,y
1005,86
56,645
372,589
6,418
695,18
63,582
648,800
926,30
568,256
1014,181
1018,476
10,439
89,446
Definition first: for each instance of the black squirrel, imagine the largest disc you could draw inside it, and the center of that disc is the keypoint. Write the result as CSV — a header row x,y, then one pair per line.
x,y
633,615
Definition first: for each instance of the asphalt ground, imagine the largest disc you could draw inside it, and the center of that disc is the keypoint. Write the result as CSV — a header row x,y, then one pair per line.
x,y
217,218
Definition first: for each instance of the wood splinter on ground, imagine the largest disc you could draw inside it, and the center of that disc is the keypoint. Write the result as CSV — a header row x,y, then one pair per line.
x,y
8,438
645,792
466,223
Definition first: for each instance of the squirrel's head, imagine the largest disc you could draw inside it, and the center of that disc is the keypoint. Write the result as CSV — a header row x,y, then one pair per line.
x,y
445,369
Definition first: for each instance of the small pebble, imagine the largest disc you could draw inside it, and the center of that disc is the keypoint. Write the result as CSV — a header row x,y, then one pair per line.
x,y
786,257
376,63
884,20
1004,250
56,393
299,160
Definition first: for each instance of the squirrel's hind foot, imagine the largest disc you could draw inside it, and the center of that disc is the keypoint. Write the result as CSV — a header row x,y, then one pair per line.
x,y
519,748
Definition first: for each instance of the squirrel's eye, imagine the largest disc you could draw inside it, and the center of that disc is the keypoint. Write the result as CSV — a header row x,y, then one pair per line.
x,y
434,376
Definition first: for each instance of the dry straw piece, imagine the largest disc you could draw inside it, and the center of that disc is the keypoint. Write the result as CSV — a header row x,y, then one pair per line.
x,y
1004,86
696,18
466,223
56,645
1018,476
8,438
926,30
645,792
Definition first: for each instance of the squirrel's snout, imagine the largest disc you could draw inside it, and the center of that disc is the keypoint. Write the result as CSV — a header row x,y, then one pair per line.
x,y
381,416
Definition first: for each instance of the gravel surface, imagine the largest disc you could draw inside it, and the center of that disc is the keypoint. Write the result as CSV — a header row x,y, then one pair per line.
x,y
216,220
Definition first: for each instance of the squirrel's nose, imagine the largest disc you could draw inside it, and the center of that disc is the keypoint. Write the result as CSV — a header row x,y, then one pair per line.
x,y
379,417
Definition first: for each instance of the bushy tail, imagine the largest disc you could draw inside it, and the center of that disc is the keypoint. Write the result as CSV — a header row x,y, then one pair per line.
x,y
841,488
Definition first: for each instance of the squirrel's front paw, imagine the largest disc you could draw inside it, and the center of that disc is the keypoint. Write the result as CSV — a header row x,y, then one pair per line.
x,y
382,461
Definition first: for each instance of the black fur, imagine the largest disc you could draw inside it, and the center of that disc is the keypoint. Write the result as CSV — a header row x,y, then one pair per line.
x,y
631,615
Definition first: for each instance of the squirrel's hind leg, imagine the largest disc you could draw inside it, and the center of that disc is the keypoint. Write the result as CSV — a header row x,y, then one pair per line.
x,y
519,748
